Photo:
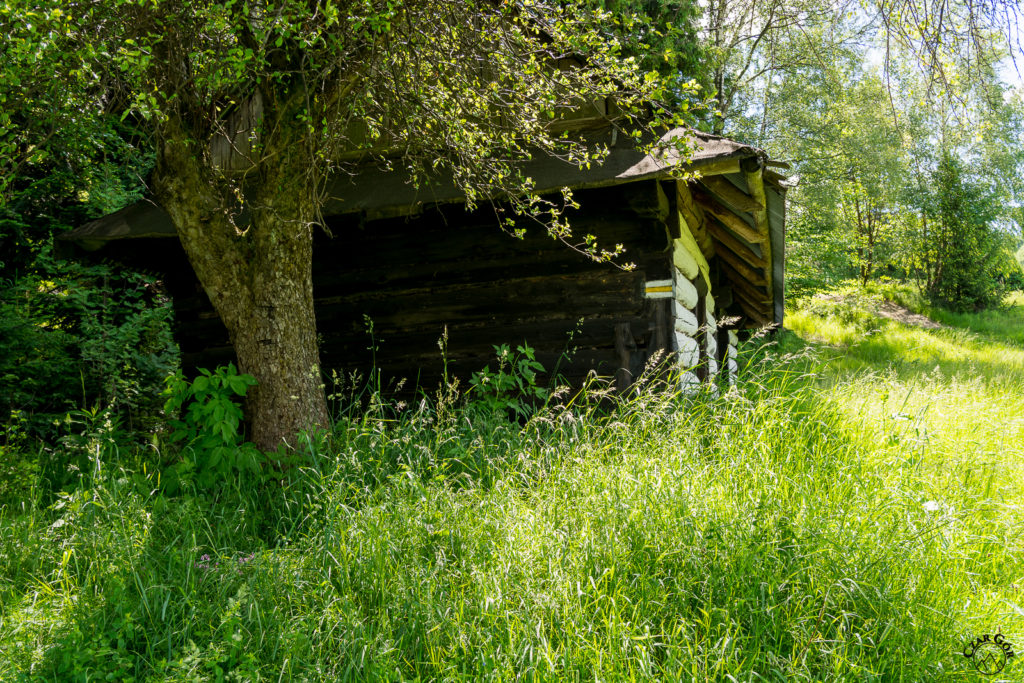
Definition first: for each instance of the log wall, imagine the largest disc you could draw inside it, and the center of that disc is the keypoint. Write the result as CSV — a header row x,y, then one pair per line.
x,y
447,272
702,348
388,291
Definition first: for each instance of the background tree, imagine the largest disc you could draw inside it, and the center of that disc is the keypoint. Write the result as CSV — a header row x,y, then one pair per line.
x,y
863,101
752,47
664,37
965,254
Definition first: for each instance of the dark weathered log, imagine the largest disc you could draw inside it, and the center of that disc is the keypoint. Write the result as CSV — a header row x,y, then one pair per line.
x,y
746,299
649,201
755,278
723,348
737,247
449,269
742,286
732,195
753,171
754,314
727,217
625,348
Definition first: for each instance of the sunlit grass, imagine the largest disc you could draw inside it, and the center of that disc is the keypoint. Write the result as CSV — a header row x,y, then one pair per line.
x,y
948,400
850,512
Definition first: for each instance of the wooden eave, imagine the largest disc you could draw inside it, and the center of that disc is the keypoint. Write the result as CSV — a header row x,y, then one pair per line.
x,y
376,192
744,215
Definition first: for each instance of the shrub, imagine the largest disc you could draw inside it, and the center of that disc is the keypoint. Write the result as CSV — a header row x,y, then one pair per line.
x,y
513,387
207,422
82,336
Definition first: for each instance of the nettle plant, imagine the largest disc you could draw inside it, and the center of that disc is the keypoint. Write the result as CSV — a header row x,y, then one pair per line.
x,y
208,425
513,386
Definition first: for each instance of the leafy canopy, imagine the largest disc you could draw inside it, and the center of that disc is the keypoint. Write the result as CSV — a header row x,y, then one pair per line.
x,y
468,87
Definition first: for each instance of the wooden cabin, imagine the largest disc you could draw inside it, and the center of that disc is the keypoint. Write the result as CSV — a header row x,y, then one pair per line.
x,y
708,258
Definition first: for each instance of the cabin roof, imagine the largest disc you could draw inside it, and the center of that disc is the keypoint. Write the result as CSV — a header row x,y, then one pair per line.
x,y
377,192
374,193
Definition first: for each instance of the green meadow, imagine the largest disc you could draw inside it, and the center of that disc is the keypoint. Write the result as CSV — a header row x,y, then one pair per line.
x,y
850,511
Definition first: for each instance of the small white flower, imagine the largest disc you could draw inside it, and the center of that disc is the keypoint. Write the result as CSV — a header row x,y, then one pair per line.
x,y
932,506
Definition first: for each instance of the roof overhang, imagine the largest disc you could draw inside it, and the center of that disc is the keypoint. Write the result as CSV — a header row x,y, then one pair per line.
x,y
375,192
378,192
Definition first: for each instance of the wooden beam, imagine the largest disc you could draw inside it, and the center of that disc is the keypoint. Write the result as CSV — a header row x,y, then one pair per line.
x,y
702,331
753,314
754,173
709,167
739,248
661,340
736,263
234,145
648,200
755,299
727,217
752,295
578,124
732,194
741,285
625,346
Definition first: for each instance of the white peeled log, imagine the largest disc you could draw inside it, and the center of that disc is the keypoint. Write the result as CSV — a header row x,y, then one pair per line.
x,y
686,293
685,320
689,352
712,345
712,367
684,260
734,339
709,314
731,353
732,366
688,382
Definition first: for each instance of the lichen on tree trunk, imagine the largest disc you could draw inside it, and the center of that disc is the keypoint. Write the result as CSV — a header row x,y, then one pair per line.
x,y
258,278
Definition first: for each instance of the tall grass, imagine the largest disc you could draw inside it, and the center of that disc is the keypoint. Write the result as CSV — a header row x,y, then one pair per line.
x,y
848,512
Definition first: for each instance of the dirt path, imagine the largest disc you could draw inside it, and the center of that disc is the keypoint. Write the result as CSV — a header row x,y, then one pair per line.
x,y
893,311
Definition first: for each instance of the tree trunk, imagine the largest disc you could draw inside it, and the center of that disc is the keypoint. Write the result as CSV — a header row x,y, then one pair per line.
x,y
259,280
718,120
275,337
862,257
927,259
871,230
